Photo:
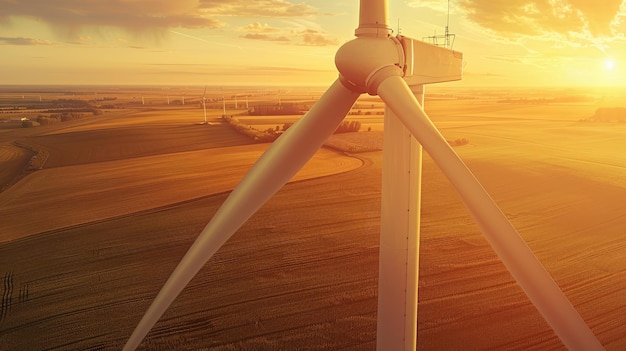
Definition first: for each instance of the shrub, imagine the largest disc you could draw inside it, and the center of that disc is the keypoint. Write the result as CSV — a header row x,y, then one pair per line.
x,y
609,114
459,142
346,127
271,134
44,121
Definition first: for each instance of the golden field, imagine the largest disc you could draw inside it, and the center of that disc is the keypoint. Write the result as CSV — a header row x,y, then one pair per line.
x,y
88,240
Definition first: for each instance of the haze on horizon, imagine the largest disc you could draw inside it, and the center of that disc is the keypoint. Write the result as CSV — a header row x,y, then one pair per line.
x,y
292,42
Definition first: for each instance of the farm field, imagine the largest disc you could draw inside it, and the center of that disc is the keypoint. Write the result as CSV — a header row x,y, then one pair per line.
x,y
88,240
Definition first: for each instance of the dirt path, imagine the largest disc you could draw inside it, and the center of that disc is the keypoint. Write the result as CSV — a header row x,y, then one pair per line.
x,y
16,150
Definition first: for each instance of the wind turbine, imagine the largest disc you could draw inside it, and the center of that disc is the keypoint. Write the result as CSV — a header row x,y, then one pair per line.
x,y
395,69
204,103
223,105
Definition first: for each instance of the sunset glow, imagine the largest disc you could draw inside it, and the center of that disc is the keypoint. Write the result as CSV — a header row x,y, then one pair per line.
x,y
286,42
609,64
232,174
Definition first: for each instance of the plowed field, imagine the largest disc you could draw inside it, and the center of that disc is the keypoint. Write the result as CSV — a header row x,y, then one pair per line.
x,y
87,241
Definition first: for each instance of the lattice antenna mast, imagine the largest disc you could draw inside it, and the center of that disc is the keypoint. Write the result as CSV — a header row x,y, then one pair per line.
x,y
447,28
448,38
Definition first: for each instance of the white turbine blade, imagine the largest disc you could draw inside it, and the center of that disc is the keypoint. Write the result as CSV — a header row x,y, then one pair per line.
x,y
530,274
274,168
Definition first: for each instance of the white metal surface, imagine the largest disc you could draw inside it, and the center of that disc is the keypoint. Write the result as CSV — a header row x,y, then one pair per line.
x,y
427,63
530,274
401,198
281,161
375,63
399,236
373,18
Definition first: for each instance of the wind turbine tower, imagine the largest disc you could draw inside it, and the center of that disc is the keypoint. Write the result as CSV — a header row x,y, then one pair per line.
x,y
204,103
223,105
395,68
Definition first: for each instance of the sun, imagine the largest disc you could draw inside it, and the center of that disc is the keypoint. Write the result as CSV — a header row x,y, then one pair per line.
x,y
609,64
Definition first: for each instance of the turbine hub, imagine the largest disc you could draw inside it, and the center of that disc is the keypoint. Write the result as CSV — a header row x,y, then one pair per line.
x,y
365,62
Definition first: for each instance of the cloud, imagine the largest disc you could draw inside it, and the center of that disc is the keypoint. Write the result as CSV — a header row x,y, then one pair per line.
x,y
300,35
134,15
270,71
509,59
436,5
289,69
73,18
599,16
266,37
312,37
262,31
259,8
567,19
258,27
23,41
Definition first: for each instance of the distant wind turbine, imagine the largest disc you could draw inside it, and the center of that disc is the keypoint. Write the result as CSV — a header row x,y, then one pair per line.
x,y
223,105
395,68
204,103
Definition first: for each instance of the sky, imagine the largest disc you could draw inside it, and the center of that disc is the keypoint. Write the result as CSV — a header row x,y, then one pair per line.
x,y
293,42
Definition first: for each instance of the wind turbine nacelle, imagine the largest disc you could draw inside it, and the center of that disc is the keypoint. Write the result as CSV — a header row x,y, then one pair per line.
x,y
426,63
